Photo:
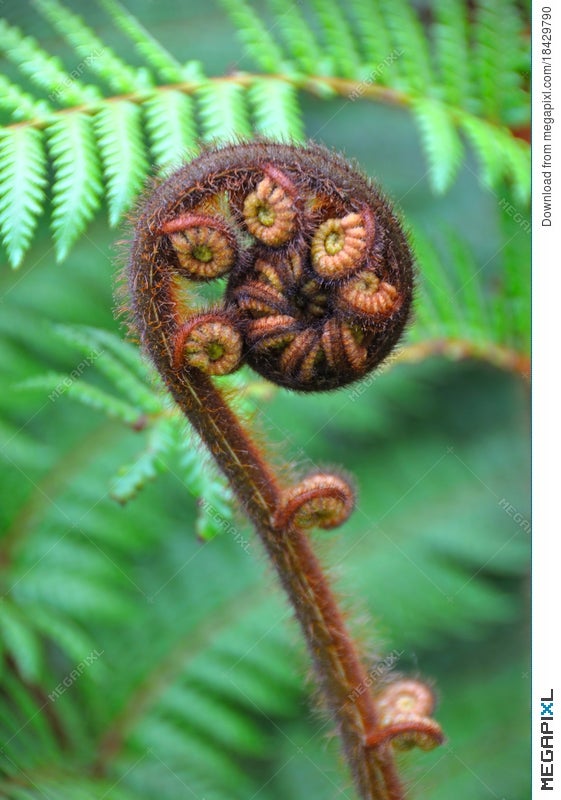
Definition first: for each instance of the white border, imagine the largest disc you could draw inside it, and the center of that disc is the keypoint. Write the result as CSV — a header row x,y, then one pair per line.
x,y
546,374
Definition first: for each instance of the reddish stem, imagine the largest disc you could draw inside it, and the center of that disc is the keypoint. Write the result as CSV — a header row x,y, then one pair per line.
x,y
341,674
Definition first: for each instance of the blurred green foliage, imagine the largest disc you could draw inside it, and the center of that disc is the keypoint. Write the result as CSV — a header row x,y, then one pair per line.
x,y
140,660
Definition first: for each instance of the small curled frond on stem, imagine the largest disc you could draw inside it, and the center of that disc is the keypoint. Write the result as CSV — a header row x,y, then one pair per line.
x,y
319,281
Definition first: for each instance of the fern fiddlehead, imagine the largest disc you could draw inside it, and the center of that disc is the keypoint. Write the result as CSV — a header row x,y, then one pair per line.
x,y
318,290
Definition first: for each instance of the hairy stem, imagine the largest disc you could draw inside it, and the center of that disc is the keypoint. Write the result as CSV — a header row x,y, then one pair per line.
x,y
276,316
339,670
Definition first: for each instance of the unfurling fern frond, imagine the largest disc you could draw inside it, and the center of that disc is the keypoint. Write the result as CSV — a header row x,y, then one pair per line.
x,y
457,78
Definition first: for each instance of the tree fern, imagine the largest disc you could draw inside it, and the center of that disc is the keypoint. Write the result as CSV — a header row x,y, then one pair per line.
x,y
144,648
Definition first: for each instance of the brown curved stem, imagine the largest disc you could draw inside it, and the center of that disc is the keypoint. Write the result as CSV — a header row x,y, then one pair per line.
x,y
341,674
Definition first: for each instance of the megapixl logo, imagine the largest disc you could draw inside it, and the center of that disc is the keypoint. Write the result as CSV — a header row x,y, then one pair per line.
x,y
546,742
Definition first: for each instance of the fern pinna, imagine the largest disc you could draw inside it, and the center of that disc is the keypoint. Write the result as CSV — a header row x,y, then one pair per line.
x,y
204,706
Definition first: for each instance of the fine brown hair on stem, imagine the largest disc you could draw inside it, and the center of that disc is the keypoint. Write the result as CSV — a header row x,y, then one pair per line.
x,y
319,285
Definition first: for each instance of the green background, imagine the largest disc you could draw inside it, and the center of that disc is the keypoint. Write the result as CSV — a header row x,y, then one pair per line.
x,y
430,564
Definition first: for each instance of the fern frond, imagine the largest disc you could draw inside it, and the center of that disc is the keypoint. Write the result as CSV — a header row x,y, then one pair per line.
x,y
123,153
409,39
276,111
452,50
170,123
44,70
215,511
298,36
77,187
458,304
492,66
74,642
117,360
501,155
256,36
441,142
58,384
96,55
20,641
134,476
23,168
155,54
517,169
459,92
373,33
438,289
223,111
338,38
20,104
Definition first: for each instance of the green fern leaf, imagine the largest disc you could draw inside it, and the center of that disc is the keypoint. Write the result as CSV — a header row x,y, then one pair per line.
x,y
64,633
22,182
153,51
438,286
20,641
501,155
485,64
410,41
170,123
58,384
215,511
134,476
338,38
123,154
21,718
20,104
482,136
117,361
374,35
95,53
44,70
276,110
223,111
513,310
452,52
255,35
518,168
442,144
470,295
299,37
77,187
